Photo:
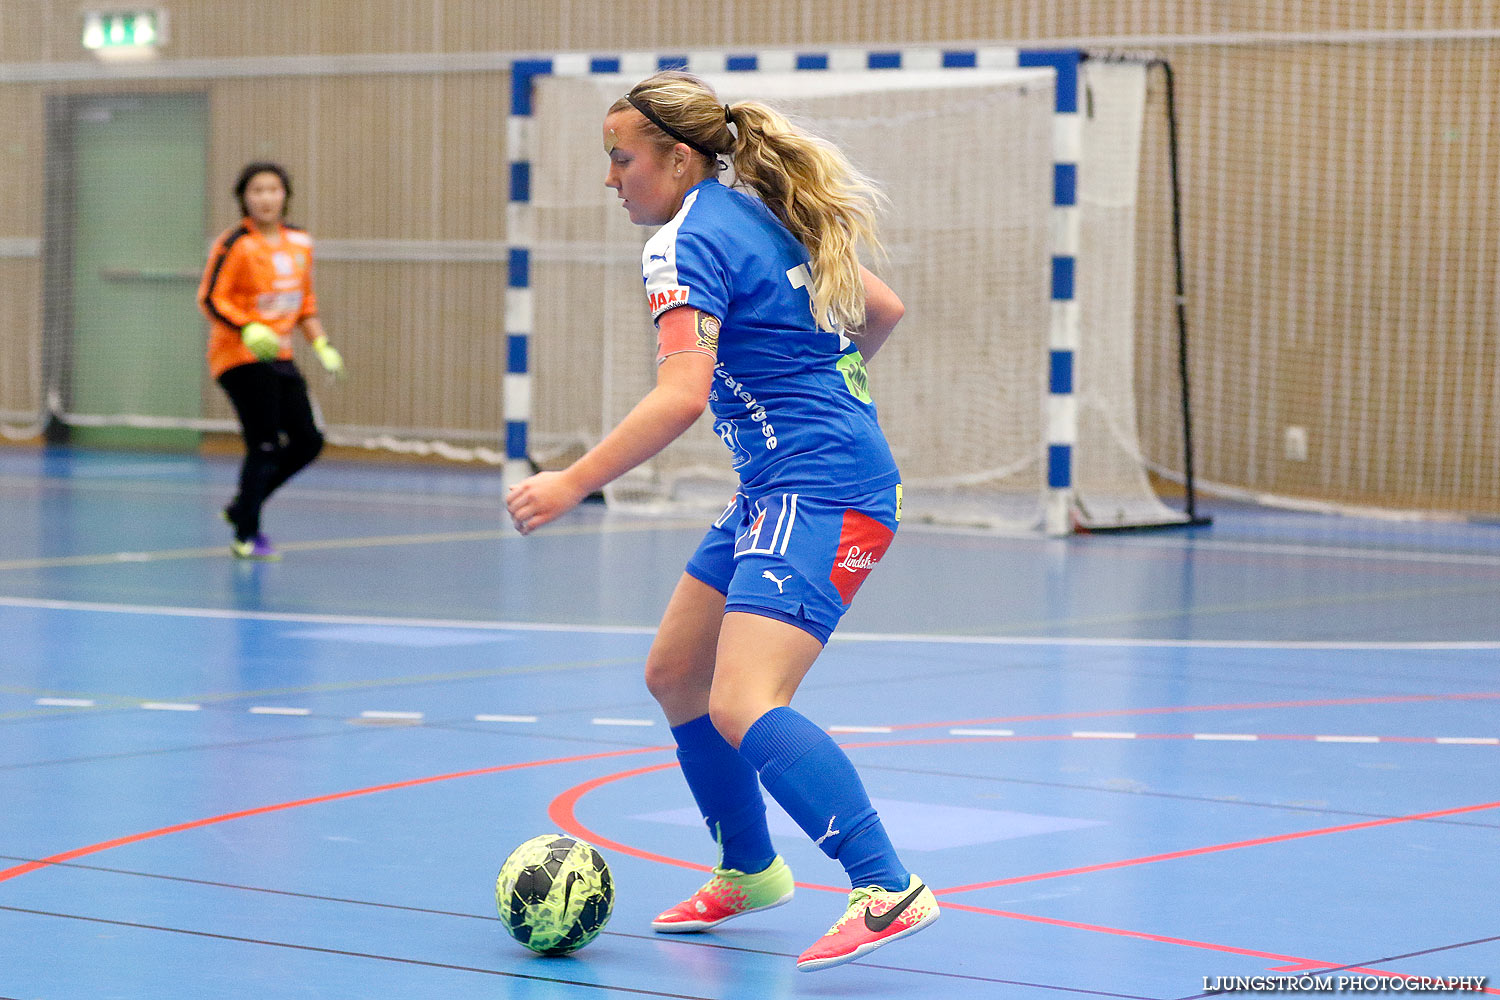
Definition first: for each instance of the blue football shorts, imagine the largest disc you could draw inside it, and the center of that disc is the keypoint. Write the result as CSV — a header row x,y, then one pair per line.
x,y
796,558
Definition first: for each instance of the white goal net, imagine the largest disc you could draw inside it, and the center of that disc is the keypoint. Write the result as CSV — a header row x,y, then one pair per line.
x,y
1110,485
966,159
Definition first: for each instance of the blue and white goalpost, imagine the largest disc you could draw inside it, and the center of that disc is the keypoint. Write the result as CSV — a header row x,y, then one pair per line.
x,y
982,153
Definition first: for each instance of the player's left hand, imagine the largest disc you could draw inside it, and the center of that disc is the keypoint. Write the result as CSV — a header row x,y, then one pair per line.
x,y
541,498
329,356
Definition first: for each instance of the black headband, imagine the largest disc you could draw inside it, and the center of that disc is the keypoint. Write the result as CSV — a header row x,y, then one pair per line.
x,y
669,130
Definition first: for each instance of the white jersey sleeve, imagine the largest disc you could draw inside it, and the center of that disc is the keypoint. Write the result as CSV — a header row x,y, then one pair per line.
x,y
681,269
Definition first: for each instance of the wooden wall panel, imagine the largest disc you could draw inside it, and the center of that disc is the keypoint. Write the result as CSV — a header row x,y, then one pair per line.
x,y
1341,226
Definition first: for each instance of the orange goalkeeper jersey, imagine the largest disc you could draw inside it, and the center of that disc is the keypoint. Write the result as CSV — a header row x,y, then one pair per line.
x,y
251,280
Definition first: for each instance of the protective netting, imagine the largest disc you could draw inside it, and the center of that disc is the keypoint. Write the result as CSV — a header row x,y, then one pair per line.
x,y
966,160
1111,487
1342,240
99,325
1339,215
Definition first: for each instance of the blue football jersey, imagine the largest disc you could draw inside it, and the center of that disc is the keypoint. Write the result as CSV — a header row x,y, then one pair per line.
x,y
790,401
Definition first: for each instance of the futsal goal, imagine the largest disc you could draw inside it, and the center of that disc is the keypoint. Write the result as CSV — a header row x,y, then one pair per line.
x,y
1008,391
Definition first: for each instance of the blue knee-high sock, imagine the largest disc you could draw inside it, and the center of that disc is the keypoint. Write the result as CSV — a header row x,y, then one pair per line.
x,y
815,783
728,795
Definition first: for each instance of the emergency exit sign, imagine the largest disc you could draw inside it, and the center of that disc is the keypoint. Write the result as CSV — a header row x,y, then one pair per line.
x,y
123,30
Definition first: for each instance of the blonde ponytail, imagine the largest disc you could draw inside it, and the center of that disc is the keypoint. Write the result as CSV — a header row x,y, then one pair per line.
x,y
806,182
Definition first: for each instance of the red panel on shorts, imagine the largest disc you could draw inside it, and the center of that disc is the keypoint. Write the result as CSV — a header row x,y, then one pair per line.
x,y
861,544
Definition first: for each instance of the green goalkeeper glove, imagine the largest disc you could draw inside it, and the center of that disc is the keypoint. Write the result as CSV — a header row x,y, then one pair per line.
x,y
261,340
329,355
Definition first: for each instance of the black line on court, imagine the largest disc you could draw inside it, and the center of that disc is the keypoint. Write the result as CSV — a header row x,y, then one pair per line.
x,y
489,729
164,751
1416,954
1076,990
1107,662
358,954
654,938
1371,963
1203,799
463,726
248,888
1439,948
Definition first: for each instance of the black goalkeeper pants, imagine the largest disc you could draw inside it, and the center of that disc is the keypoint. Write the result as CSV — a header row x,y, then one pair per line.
x,y
281,438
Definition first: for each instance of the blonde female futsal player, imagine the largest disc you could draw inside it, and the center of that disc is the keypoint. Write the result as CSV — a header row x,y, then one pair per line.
x,y
753,298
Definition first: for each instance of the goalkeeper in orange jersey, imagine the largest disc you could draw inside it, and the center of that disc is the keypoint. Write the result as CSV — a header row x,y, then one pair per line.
x,y
256,289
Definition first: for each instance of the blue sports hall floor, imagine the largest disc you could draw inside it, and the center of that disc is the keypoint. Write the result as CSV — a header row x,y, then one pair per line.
x,y
1142,766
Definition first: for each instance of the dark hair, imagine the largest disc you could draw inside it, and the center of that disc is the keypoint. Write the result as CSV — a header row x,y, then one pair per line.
x,y
261,167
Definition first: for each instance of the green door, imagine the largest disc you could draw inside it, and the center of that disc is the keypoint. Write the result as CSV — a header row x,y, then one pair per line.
x,y
139,168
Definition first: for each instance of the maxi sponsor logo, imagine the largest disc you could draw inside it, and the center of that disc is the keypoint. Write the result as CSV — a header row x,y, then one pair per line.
x,y
666,298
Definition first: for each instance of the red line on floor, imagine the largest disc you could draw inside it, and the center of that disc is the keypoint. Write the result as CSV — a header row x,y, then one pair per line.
x,y
1216,848
1290,963
134,838
562,812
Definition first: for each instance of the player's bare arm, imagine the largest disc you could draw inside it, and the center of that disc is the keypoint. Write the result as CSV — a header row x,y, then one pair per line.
x,y
883,310
681,393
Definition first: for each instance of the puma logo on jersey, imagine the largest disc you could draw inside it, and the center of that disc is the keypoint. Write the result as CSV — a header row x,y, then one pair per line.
x,y
657,256
831,832
779,583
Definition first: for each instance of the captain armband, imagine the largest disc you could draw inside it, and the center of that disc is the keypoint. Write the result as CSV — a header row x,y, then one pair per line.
x,y
686,329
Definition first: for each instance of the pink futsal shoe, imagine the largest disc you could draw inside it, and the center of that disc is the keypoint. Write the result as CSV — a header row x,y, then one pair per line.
x,y
875,917
730,893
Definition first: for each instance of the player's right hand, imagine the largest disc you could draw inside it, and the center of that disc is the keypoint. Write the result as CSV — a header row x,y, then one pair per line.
x,y
541,498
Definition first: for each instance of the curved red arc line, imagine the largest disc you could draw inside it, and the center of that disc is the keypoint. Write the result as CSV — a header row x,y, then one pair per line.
x,y
79,852
85,851
562,811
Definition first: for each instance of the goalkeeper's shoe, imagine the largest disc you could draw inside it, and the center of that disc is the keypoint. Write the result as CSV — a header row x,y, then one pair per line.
x,y
875,917
258,548
730,893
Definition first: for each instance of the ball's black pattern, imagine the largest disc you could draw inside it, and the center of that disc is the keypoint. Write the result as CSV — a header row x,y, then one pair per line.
x,y
554,894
